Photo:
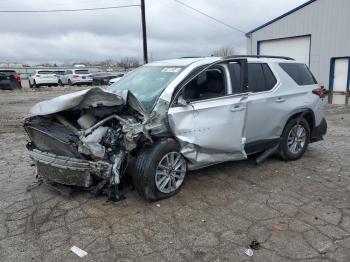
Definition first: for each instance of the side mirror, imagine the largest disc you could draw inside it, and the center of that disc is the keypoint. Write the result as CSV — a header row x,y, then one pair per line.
x,y
181,101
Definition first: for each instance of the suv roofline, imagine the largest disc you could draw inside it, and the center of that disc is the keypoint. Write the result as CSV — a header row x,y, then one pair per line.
x,y
259,56
186,61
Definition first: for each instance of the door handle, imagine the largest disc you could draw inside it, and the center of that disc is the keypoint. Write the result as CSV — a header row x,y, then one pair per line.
x,y
280,100
237,108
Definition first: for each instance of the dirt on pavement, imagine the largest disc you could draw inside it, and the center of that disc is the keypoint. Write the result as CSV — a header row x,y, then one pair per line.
x,y
297,211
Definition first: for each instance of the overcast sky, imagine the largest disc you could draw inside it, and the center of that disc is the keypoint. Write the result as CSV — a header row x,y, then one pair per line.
x,y
173,30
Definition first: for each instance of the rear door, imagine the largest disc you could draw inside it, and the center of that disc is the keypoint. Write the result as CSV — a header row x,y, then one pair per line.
x,y
263,105
209,125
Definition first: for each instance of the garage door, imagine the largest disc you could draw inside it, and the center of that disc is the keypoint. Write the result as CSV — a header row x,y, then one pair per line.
x,y
294,47
341,74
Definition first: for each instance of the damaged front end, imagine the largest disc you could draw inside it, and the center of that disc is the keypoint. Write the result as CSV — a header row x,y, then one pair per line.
x,y
84,139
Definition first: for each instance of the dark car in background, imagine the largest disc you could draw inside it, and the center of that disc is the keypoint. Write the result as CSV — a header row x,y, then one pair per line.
x,y
9,79
102,78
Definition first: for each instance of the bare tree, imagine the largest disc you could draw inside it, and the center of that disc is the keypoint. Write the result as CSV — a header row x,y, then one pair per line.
x,y
128,62
224,51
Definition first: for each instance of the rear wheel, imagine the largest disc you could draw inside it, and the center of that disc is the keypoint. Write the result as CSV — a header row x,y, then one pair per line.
x,y
160,170
70,82
35,84
60,82
295,139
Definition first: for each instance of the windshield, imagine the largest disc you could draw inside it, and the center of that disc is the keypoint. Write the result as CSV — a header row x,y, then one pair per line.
x,y
147,83
45,72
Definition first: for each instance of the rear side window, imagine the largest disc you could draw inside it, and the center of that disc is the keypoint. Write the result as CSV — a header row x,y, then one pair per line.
x,y
300,73
8,72
260,78
270,80
82,72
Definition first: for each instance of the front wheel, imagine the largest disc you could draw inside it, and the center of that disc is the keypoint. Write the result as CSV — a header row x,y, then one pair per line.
x,y
295,139
160,170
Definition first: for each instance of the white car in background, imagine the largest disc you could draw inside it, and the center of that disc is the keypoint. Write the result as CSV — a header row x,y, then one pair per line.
x,y
76,77
43,78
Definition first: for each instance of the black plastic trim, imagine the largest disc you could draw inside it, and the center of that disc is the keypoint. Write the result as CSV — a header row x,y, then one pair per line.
x,y
319,131
259,146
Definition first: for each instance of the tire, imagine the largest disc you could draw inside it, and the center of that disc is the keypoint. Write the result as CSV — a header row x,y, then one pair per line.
x,y
70,82
147,170
30,85
288,143
35,85
60,82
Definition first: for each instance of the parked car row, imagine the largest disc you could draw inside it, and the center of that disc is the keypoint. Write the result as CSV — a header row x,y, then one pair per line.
x,y
9,79
60,77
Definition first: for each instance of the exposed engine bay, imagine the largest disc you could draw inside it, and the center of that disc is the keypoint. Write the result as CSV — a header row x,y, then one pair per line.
x,y
86,140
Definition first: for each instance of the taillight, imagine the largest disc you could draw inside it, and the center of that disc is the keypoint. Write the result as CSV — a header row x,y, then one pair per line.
x,y
18,78
75,76
319,92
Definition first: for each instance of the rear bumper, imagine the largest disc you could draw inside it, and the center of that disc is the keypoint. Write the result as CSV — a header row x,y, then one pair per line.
x,y
46,81
319,131
82,81
68,170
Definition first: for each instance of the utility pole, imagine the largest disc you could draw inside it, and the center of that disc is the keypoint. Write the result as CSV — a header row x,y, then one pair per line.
x,y
144,33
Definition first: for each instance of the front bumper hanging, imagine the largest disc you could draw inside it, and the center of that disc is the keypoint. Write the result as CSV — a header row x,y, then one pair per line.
x,y
68,170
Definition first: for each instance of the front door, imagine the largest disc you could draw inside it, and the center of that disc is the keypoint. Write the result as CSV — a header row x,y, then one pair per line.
x,y
209,122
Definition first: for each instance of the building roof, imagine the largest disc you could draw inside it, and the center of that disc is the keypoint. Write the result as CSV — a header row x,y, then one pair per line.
x,y
280,17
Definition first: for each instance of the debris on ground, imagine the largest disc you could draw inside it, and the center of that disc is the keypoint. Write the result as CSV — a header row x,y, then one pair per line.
x,y
78,251
158,205
249,252
255,245
277,228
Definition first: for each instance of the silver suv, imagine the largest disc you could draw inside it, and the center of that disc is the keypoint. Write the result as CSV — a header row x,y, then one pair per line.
x,y
168,117
75,77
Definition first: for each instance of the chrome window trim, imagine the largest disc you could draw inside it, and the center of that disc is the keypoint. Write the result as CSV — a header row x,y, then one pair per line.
x,y
220,98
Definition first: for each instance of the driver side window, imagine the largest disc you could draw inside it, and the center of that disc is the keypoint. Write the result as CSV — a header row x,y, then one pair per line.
x,y
209,84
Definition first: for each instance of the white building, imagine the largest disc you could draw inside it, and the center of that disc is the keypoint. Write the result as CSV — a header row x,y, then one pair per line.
x,y
316,33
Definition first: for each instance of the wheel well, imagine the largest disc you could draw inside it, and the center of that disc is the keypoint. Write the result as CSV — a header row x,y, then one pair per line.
x,y
308,116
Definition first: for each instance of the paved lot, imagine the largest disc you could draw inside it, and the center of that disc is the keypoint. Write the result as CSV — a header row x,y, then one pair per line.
x,y
298,211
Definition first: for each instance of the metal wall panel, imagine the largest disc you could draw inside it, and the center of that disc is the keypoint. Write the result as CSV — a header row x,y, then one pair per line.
x,y
328,23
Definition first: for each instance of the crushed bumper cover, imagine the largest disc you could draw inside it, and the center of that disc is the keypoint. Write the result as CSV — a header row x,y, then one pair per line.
x,y
68,170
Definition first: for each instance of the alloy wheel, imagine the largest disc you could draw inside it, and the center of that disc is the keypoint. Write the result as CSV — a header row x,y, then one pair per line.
x,y
170,172
296,139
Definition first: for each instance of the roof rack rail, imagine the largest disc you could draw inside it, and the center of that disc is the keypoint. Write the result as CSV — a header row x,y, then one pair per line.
x,y
184,57
259,56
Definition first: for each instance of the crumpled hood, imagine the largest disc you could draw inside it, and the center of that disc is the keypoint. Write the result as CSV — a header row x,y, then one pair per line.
x,y
89,98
